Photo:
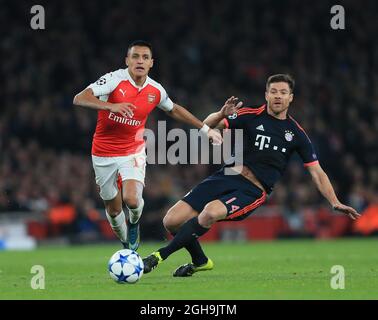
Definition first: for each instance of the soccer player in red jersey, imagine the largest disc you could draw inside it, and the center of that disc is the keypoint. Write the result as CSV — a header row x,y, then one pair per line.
x,y
124,99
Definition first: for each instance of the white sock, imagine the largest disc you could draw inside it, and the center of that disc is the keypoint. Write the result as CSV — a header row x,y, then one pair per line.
x,y
134,214
118,224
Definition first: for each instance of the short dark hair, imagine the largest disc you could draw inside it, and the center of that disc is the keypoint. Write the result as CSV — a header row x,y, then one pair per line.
x,y
281,78
140,43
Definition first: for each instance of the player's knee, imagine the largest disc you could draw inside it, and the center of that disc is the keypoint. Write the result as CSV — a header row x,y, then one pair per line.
x,y
168,224
113,211
207,217
210,214
170,221
112,208
131,200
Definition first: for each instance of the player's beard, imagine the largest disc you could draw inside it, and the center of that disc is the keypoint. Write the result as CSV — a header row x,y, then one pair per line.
x,y
278,108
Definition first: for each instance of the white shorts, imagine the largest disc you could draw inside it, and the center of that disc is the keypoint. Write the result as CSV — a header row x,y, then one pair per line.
x,y
132,167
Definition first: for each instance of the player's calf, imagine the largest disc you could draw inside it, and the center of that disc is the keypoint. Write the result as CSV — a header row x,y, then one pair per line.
x,y
118,225
117,219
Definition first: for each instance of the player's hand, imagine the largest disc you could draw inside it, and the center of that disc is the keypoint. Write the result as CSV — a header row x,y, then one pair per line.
x,y
125,109
215,137
347,210
231,106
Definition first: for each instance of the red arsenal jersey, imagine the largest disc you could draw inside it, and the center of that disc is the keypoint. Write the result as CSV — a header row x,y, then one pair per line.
x,y
116,135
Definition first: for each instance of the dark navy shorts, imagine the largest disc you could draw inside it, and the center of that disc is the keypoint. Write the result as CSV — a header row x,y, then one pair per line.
x,y
240,196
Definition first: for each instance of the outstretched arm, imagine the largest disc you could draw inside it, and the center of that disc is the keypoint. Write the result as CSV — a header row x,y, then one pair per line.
x,y
325,187
214,120
179,113
87,99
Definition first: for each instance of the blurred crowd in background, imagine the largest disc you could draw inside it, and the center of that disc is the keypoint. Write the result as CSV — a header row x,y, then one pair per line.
x,y
205,51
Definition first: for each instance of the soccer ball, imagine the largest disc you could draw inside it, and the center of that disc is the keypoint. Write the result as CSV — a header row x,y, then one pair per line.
x,y
126,266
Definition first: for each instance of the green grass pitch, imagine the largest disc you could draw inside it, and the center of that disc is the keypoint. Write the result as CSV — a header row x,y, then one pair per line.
x,y
290,269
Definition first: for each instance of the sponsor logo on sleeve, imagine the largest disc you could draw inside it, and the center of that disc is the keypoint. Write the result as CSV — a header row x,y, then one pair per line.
x,y
233,116
101,81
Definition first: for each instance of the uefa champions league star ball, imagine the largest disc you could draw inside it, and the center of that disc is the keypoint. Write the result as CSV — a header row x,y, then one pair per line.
x,y
125,266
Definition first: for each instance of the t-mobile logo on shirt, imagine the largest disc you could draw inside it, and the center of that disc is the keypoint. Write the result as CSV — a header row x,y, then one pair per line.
x,y
263,143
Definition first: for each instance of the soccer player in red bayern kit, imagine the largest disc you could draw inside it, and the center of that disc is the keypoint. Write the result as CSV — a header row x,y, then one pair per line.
x,y
124,99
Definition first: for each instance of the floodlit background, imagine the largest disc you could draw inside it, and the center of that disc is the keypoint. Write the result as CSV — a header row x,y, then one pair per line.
x,y
205,51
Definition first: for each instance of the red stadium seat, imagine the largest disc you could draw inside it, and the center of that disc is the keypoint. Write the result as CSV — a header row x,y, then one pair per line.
x,y
37,229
